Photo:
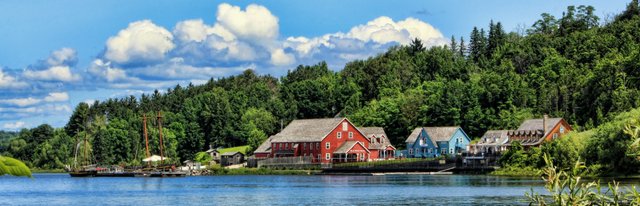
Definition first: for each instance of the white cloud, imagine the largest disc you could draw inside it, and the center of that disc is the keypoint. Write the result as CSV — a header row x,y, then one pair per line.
x,y
21,102
10,82
280,58
142,41
254,24
14,125
55,73
384,30
57,97
64,56
192,30
104,70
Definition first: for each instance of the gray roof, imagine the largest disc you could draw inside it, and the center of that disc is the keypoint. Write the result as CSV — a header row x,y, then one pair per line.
x,y
437,134
344,148
307,130
414,135
489,137
373,133
265,147
536,124
231,153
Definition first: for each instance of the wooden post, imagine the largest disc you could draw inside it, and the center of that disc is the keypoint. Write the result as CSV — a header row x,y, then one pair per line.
x,y
161,144
146,139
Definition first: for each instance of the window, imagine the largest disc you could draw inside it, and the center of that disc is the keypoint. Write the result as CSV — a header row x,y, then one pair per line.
x,y
555,135
451,151
279,145
326,156
339,135
410,151
361,156
424,150
430,151
317,145
286,145
350,135
328,145
561,129
443,151
344,126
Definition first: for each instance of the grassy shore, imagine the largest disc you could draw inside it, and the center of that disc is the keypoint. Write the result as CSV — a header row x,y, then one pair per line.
x,y
260,171
37,170
517,172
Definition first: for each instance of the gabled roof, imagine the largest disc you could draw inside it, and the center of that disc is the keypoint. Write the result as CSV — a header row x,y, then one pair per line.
x,y
307,130
491,135
265,147
537,124
414,135
344,148
373,133
231,153
437,134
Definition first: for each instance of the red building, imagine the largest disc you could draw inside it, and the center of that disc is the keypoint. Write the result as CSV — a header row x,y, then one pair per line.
x,y
325,140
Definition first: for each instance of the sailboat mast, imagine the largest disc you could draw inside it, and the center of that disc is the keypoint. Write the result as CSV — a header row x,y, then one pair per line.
x,y
161,144
85,149
146,139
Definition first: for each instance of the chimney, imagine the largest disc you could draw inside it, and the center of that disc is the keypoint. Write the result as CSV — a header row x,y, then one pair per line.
x,y
544,124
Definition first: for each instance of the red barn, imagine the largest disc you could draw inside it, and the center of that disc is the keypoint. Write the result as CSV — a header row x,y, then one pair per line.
x,y
325,140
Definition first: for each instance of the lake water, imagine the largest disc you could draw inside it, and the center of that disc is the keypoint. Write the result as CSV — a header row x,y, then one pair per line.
x,y
60,189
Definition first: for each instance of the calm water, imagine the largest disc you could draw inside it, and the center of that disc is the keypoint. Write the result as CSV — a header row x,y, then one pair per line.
x,y
60,189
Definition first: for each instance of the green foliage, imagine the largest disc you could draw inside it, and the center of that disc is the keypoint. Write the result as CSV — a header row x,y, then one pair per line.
x,y
567,188
203,157
242,149
574,67
217,170
11,166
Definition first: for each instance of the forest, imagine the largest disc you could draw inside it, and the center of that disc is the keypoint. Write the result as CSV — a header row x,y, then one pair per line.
x,y
575,66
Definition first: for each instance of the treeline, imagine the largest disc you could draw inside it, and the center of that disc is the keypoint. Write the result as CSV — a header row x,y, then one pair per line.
x,y
575,66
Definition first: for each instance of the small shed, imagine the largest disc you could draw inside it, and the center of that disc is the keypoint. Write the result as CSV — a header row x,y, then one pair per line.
x,y
231,158
215,155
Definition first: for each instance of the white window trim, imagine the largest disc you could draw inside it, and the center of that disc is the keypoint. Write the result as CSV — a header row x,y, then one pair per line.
x,y
350,135
339,135
345,126
410,151
327,145
327,156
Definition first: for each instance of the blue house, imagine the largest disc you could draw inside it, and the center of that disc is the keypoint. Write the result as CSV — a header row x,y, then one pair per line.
x,y
436,141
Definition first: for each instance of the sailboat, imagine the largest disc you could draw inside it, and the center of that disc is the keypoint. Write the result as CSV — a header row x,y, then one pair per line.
x,y
88,170
85,169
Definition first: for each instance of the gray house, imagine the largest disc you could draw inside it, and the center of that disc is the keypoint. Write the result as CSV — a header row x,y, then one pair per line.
x,y
231,158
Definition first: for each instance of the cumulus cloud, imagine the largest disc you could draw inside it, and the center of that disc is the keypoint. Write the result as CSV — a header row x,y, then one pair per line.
x,y
142,41
63,56
192,30
280,58
14,125
104,70
21,102
55,73
254,24
56,97
10,82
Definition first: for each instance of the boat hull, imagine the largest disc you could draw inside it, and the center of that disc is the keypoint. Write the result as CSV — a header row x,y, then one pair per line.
x,y
83,173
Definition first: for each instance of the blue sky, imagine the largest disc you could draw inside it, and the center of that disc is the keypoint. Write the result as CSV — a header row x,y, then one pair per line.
x,y
56,54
